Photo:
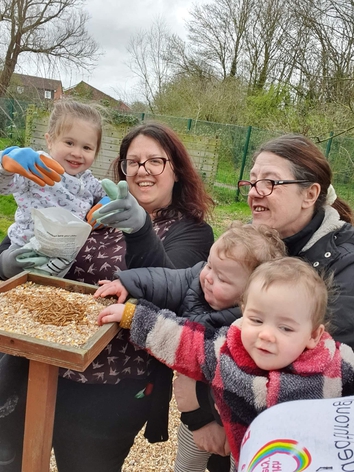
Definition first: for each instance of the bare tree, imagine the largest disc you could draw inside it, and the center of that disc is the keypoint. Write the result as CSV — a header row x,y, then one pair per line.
x,y
187,62
327,67
266,42
50,29
150,59
217,32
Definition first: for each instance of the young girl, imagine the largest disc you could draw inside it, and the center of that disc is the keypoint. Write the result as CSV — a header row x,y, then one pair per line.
x,y
277,352
73,141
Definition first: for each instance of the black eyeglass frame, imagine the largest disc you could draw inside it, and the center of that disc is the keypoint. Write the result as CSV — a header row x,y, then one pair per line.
x,y
274,183
164,159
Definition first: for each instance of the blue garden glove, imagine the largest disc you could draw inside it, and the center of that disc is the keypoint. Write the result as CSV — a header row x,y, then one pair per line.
x,y
14,261
124,212
43,170
98,205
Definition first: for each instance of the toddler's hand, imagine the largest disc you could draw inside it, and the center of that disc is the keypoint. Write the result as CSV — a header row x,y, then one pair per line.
x,y
111,314
37,167
114,287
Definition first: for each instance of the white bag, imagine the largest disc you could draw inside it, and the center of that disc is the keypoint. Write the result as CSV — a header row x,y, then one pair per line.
x,y
302,435
59,235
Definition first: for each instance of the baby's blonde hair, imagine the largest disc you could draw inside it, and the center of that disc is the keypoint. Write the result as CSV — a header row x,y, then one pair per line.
x,y
249,245
66,111
297,273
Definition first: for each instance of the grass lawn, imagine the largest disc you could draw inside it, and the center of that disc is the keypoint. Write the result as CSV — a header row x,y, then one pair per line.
x,y
225,214
227,209
7,211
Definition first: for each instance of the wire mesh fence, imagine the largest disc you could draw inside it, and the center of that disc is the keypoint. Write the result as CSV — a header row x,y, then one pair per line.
x,y
203,150
236,144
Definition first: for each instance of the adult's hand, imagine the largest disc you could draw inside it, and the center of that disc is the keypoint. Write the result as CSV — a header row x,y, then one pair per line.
x,y
12,262
124,212
212,438
185,393
114,287
41,169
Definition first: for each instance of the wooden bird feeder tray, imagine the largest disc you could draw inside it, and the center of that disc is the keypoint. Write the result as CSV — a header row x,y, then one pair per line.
x,y
61,355
45,359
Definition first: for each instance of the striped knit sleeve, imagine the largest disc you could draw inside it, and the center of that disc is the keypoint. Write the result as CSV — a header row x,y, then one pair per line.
x,y
176,342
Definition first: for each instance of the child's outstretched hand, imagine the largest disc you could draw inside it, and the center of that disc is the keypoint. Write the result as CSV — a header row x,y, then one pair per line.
x,y
112,313
41,169
123,212
114,287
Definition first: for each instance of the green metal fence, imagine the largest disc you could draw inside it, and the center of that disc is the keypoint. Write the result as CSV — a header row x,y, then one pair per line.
x,y
203,150
236,145
12,118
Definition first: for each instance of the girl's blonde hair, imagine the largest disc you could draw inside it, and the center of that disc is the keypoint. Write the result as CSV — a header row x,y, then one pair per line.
x,y
297,273
249,244
66,111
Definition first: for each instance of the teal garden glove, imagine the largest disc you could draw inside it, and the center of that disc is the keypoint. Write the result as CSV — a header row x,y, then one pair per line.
x,y
14,261
123,212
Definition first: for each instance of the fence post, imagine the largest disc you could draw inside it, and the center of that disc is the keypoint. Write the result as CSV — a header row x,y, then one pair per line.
x,y
244,157
329,144
29,124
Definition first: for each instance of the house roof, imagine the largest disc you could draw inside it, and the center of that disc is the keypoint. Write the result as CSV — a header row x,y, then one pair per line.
x,y
37,82
96,95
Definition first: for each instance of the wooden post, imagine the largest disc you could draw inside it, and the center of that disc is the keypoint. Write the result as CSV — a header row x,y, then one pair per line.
x,y
40,410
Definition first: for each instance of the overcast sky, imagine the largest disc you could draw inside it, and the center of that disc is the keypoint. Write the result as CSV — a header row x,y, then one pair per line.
x,y
112,23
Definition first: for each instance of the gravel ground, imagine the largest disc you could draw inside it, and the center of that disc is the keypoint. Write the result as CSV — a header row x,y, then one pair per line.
x,y
146,457
157,457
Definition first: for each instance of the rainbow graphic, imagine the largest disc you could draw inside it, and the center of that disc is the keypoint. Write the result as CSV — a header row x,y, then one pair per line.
x,y
290,447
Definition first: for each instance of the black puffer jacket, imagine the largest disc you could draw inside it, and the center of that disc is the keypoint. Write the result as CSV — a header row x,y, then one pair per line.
x,y
179,291
327,243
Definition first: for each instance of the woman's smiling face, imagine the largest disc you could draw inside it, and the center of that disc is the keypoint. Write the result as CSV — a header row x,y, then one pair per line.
x,y
152,192
288,209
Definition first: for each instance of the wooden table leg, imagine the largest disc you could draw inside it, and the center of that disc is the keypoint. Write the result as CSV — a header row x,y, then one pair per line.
x,y
39,422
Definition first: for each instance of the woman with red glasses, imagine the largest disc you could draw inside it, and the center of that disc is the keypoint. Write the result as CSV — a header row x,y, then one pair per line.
x,y
290,190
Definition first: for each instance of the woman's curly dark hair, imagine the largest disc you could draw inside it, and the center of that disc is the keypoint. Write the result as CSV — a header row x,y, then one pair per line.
x,y
189,196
